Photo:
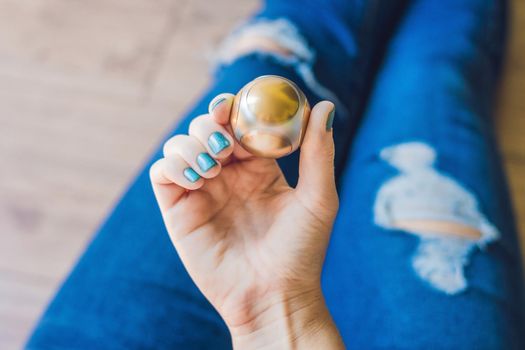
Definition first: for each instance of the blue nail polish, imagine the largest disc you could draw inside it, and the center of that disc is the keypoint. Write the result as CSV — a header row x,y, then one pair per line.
x,y
217,142
191,175
330,120
205,162
216,103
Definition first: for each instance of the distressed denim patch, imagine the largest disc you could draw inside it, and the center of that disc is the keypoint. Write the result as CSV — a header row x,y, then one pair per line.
x,y
421,192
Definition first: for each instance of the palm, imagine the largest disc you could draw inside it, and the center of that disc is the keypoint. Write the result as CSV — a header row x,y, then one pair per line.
x,y
242,233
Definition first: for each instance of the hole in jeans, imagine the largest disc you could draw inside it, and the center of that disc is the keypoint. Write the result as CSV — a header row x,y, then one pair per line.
x,y
438,210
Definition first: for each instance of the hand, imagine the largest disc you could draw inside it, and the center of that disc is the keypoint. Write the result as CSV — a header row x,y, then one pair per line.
x,y
253,245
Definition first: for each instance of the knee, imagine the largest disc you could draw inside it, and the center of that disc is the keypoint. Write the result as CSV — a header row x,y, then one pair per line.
x,y
437,209
278,38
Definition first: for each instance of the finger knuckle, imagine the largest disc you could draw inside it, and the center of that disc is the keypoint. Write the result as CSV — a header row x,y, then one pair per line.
x,y
197,123
173,143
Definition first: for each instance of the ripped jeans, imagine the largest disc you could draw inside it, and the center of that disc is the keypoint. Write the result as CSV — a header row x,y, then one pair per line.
x,y
414,143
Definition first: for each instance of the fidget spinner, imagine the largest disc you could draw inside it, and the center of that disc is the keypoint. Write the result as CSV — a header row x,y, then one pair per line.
x,y
269,116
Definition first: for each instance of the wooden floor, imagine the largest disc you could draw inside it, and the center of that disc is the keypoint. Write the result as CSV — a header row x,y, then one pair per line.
x,y
87,88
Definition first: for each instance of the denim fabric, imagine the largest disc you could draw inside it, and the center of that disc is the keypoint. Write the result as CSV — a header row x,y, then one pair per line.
x,y
436,87
130,289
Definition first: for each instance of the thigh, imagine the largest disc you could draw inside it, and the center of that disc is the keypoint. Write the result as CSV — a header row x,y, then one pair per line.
x,y
426,153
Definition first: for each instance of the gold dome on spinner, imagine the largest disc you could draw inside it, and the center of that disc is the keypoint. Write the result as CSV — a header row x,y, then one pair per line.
x,y
273,101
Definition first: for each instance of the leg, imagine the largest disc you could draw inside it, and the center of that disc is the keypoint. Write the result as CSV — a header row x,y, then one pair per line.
x,y
130,289
424,251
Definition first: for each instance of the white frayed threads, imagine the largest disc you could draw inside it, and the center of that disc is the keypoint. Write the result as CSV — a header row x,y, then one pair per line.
x,y
420,192
280,31
283,33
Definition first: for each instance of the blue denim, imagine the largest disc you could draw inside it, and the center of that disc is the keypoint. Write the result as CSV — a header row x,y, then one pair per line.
x,y
433,94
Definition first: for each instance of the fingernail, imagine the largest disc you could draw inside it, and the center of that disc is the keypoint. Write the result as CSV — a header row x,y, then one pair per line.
x,y
191,175
216,103
330,119
217,142
205,162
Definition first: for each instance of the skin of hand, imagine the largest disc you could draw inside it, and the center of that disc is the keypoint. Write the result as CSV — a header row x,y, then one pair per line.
x,y
253,245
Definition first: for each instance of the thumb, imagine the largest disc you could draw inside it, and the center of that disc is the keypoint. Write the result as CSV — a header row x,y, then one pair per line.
x,y
316,185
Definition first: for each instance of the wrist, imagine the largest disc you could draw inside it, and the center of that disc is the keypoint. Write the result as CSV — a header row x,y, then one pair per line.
x,y
285,321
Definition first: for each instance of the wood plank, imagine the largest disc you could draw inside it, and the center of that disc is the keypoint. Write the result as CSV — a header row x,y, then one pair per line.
x,y
21,300
511,115
186,68
516,174
117,38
